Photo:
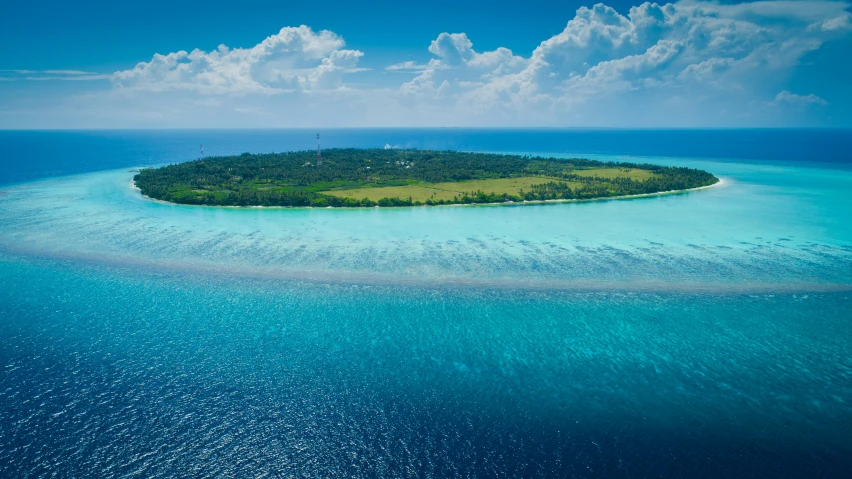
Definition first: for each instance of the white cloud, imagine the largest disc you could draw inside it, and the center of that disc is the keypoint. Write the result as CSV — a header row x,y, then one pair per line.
x,y
455,49
689,63
69,78
501,58
628,73
719,56
296,58
67,72
796,11
462,67
452,48
786,98
50,75
841,22
407,66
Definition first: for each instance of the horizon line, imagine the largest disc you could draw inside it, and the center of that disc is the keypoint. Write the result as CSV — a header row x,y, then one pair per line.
x,y
313,128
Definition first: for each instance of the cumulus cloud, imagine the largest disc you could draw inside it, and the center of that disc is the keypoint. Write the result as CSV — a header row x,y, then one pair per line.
x,y
296,58
462,67
455,49
688,63
452,48
626,73
697,51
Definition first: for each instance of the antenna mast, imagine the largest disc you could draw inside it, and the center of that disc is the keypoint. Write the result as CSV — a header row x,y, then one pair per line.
x,y
319,152
202,151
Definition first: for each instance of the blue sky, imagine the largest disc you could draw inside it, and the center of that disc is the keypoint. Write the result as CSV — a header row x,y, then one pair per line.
x,y
163,64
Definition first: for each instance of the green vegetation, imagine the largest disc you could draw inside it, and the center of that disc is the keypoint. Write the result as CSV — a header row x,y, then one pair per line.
x,y
612,173
424,192
392,177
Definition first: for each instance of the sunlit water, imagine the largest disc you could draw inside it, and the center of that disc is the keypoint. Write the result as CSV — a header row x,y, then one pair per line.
x,y
697,334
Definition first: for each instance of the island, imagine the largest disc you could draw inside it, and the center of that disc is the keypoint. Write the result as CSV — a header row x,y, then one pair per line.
x,y
347,177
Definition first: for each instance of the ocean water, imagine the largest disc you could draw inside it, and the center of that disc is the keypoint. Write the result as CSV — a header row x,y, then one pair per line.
x,y
703,334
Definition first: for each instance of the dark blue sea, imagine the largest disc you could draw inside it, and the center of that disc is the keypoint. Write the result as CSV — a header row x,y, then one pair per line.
x,y
29,155
702,334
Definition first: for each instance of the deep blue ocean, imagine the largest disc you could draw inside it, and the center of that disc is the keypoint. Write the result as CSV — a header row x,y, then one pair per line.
x,y
29,155
703,334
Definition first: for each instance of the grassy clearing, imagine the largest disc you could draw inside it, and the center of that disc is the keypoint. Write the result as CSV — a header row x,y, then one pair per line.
x,y
610,173
444,191
416,193
447,191
495,185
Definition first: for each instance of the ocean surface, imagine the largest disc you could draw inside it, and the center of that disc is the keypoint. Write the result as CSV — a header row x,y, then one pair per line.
x,y
701,334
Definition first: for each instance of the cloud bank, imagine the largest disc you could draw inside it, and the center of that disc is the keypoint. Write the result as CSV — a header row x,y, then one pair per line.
x,y
690,63
653,62
296,58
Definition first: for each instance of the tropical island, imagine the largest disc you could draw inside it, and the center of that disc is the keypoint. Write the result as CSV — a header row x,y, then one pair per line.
x,y
404,177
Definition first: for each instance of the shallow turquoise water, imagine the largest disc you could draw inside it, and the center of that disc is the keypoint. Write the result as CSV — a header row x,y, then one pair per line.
x,y
764,225
704,334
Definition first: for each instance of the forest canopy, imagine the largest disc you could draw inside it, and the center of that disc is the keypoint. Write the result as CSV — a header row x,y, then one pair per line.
x,y
397,177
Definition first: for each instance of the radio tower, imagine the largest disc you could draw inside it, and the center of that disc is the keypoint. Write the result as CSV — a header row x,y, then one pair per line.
x,y
319,152
202,151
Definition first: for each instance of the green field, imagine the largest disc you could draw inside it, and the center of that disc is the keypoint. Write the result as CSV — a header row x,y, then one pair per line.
x,y
445,191
611,173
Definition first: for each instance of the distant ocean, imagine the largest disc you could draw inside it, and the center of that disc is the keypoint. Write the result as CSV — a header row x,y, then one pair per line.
x,y
28,155
704,334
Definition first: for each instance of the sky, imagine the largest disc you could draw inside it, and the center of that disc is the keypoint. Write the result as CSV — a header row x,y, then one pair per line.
x,y
621,64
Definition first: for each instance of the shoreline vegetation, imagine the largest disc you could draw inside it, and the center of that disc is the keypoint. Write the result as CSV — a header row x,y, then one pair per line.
x,y
401,178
